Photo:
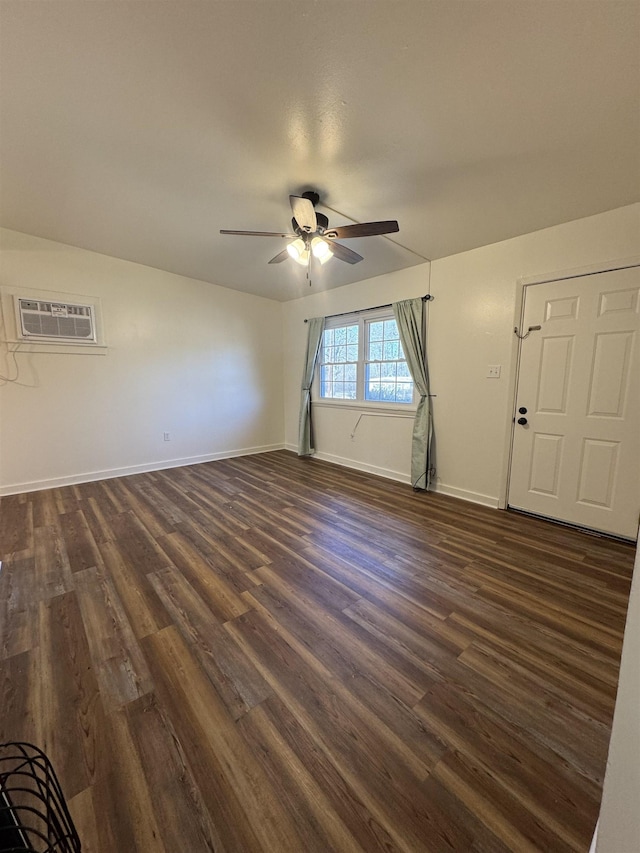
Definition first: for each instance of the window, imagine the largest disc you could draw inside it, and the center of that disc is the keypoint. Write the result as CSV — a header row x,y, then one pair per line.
x,y
387,377
361,359
339,362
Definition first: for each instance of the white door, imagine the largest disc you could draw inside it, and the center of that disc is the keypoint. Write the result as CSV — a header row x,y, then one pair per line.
x,y
576,449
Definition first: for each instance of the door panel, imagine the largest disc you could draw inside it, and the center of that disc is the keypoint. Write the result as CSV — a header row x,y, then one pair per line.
x,y
610,375
598,472
555,373
546,457
577,458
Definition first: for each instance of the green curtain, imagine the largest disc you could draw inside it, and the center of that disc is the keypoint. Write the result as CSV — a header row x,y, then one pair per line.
x,y
305,432
409,315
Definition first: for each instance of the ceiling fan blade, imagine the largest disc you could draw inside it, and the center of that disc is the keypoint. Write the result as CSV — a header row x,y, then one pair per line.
x,y
304,213
261,234
363,229
343,254
280,257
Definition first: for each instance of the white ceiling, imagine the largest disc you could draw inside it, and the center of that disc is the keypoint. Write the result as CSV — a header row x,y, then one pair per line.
x,y
139,129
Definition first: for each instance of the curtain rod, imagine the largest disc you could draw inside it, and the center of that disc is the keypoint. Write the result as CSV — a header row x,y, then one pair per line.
x,y
427,298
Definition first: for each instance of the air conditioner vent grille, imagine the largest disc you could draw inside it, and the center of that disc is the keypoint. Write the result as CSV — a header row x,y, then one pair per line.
x,y
56,320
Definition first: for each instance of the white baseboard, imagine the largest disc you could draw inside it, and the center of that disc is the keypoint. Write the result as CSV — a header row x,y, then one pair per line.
x,y
357,465
109,474
388,473
400,477
466,495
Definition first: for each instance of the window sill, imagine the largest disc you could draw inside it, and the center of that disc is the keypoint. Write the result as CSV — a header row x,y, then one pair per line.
x,y
407,411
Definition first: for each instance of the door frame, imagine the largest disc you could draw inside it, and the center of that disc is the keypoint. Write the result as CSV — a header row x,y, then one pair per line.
x,y
516,346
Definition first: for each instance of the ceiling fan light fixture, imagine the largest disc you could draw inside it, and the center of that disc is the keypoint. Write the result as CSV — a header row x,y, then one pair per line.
x,y
321,250
296,249
299,251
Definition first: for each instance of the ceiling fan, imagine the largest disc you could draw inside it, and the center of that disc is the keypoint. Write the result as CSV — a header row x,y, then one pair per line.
x,y
312,236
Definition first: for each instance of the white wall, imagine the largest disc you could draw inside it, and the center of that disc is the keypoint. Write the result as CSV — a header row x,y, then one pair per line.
x,y
470,327
201,362
619,825
472,322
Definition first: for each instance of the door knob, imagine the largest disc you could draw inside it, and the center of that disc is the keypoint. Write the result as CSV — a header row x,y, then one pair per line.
x,y
522,421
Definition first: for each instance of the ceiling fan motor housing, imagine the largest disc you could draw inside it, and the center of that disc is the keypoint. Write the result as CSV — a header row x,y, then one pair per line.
x,y
322,224
311,196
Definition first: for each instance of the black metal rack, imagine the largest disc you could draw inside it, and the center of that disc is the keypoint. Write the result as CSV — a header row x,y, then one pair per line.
x,y
34,817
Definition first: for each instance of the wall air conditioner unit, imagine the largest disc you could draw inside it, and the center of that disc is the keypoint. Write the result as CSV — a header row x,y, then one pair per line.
x,y
65,322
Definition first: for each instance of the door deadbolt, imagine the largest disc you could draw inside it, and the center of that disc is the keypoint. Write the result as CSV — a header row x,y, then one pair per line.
x,y
522,410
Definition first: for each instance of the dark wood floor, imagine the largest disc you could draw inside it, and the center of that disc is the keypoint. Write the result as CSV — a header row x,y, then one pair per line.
x,y
274,654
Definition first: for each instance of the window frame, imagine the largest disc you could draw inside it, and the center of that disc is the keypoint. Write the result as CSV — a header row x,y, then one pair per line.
x,y
362,319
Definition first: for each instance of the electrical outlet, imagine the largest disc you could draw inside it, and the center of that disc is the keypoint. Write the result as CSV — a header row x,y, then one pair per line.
x,y
493,371
167,436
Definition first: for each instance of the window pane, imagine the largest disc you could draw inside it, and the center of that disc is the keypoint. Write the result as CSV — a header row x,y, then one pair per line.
x,y
373,393
350,390
390,329
324,382
375,352
340,353
340,335
390,350
376,331
350,372
352,335
352,352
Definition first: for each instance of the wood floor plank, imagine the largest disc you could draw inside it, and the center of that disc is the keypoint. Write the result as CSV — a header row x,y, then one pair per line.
x,y
19,679
501,749
79,542
211,586
370,834
145,612
243,805
182,818
236,681
16,524
230,558
18,606
66,696
335,640
136,542
356,749
270,653
52,565
320,826
122,799
375,686
119,664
